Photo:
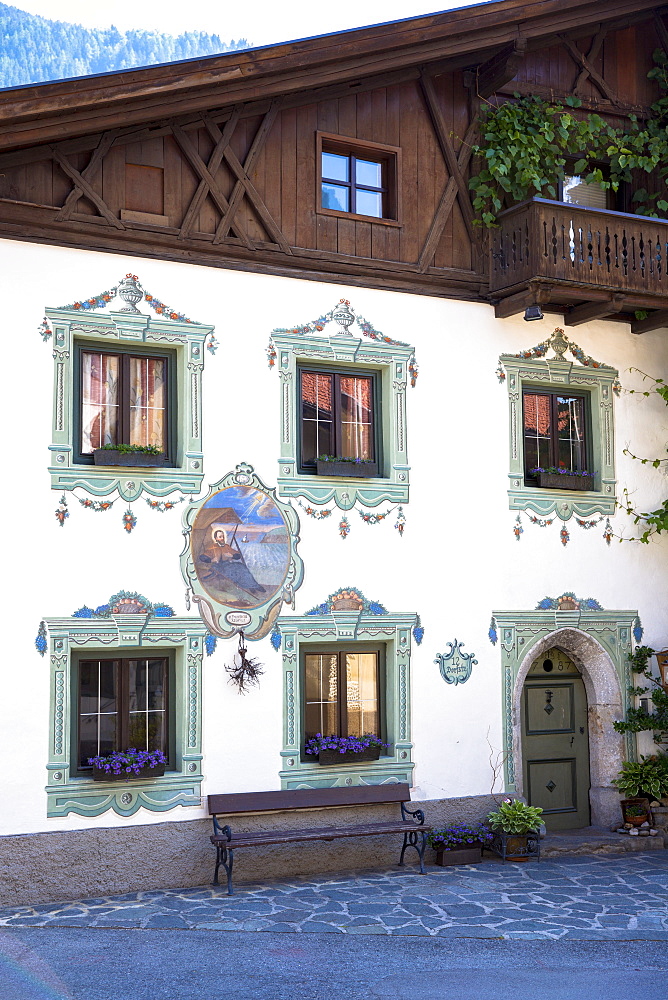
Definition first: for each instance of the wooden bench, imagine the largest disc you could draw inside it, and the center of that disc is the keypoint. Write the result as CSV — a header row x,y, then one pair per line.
x,y
411,824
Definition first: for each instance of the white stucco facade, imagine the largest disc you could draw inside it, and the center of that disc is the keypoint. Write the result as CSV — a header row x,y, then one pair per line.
x,y
457,562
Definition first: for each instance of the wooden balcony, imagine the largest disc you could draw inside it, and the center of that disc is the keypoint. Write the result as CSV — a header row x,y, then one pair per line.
x,y
587,263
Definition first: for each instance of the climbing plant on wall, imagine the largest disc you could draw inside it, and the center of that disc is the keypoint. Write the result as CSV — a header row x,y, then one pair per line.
x,y
639,720
655,521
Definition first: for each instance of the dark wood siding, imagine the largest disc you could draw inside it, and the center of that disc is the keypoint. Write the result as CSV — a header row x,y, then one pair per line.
x,y
153,183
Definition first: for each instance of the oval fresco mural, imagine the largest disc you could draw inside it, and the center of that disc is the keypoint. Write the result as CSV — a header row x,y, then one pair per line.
x,y
240,547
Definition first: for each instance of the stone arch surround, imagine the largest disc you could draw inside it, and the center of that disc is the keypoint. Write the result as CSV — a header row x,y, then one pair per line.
x,y
604,706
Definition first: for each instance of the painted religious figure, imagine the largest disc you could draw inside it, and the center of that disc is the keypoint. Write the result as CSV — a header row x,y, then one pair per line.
x,y
240,547
241,562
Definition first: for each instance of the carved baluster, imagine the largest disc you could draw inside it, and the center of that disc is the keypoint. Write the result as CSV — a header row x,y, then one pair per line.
x,y
563,241
527,245
625,253
545,254
598,248
657,249
641,255
633,254
590,247
616,251
514,244
650,256
554,241
607,249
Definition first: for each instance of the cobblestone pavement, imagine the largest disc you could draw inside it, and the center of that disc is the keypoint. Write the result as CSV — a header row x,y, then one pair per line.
x,y
579,898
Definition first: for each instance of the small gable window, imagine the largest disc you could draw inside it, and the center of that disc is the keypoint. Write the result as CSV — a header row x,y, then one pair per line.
x,y
359,179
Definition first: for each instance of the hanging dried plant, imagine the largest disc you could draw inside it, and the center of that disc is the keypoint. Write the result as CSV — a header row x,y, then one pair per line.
x,y
244,672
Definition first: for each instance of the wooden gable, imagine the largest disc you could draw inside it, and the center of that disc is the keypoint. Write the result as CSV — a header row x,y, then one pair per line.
x,y
214,161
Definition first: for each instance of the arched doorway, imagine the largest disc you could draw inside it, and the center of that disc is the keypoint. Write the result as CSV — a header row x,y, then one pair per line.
x,y
555,741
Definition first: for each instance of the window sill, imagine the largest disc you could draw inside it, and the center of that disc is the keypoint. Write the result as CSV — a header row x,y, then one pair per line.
x,y
333,214
130,481
87,797
304,774
563,503
345,491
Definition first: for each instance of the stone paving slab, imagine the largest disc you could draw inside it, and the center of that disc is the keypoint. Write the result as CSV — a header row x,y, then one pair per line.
x,y
598,897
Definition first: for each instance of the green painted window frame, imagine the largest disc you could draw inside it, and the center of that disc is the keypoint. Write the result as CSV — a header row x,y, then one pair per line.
x,y
80,347
348,630
71,639
128,333
377,408
345,354
78,656
356,647
553,376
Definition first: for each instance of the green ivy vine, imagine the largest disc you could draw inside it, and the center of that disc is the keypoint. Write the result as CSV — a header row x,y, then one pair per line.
x,y
528,142
637,719
654,521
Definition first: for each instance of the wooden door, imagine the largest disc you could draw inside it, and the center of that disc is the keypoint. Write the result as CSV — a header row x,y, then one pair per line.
x,y
555,741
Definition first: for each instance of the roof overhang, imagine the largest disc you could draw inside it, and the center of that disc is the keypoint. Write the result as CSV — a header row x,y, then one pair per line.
x,y
466,36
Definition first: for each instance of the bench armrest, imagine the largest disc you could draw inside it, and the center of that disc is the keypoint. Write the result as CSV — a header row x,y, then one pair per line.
x,y
417,814
222,831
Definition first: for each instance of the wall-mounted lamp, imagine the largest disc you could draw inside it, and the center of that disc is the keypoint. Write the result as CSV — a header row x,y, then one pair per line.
x,y
532,313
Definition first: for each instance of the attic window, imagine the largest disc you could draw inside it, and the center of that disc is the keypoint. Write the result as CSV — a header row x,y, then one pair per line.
x,y
357,179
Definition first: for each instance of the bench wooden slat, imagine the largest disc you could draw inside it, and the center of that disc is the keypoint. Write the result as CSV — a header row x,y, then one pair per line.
x,y
321,833
307,798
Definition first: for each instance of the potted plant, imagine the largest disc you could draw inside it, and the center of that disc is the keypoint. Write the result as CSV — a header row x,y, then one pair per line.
x,y
335,465
636,811
135,455
645,779
516,827
345,749
121,765
459,843
553,478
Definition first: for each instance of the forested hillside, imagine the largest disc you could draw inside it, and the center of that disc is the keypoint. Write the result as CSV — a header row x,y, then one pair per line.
x,y
33,49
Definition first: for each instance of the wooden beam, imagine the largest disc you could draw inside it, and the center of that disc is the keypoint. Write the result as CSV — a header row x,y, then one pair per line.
x,y
655,321
192,155
455,169
82,183
215,160
103,147
500,69
594,50
661,30
239,190
534,295
581,59
594,310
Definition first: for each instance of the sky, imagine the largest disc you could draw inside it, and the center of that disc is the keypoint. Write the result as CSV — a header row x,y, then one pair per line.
x,y
261,22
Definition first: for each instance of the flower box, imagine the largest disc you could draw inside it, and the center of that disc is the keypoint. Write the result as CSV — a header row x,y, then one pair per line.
x,y
99,774
349,470
556,481
470,855
131,459
329,757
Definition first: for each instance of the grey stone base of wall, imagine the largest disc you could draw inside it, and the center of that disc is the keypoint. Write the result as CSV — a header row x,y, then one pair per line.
x,y
75,864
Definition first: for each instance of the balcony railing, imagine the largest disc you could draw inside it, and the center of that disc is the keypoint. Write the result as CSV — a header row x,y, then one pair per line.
x,y
558,243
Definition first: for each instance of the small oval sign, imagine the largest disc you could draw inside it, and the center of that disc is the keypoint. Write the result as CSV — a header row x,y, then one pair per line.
x,y
238,618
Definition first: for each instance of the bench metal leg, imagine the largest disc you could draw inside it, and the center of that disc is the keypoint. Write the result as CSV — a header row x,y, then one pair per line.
x,y
418,840
224,857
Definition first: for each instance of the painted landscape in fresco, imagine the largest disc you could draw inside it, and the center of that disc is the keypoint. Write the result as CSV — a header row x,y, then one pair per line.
x,y
240,547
